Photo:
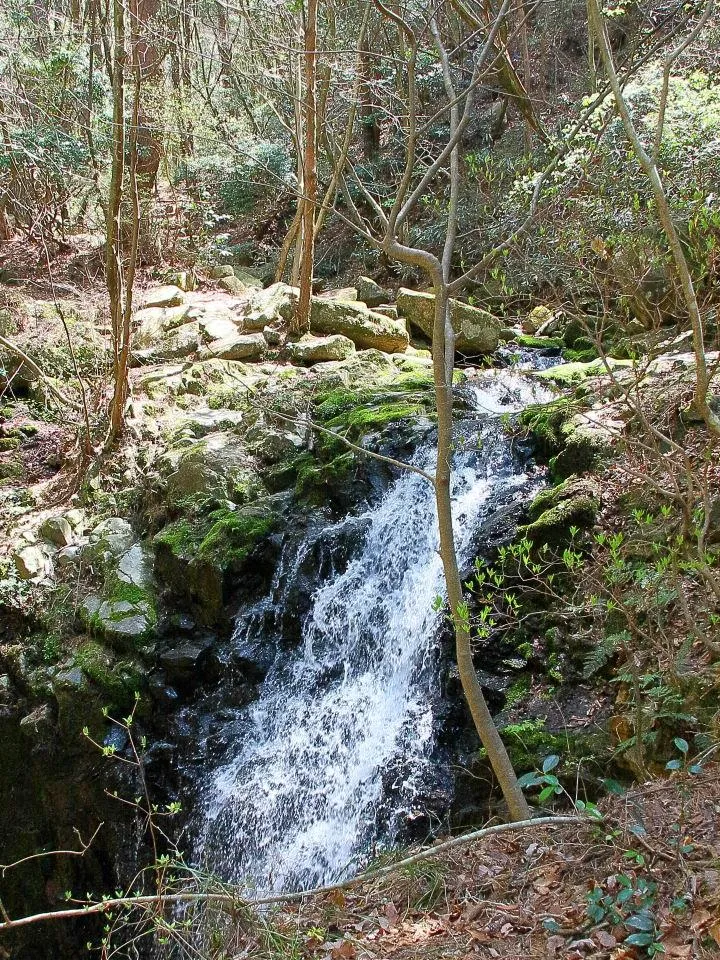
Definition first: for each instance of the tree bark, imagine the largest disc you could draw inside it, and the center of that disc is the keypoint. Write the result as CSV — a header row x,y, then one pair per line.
x,y
307,258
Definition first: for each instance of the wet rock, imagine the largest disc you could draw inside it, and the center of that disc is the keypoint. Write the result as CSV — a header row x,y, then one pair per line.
x,y
573,503
57,530
38,724
476,331
189,664
30,563
318,349
371,293
165,296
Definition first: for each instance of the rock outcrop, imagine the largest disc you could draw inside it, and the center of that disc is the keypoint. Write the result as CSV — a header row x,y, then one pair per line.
x,y
476,331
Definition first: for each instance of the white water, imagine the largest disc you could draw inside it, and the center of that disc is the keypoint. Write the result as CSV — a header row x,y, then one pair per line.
x,y
341,739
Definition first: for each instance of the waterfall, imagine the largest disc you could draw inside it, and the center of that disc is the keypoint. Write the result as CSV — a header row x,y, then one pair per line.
x,y
331,757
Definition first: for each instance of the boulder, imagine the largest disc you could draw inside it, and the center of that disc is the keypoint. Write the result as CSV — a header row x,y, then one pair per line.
x,y
248,278
166,296
217,324
318,349
477,331
125,624
573,503
174,345
234,286
272,445
387,310
276,304
190,663
371,293
366,329
239,346
30,562
536,319
153,322
57,530
185,280
216,466
343,293
111,538
221,271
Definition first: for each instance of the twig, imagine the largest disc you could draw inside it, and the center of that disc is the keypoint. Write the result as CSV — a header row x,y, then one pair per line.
x,y
153,900
4,867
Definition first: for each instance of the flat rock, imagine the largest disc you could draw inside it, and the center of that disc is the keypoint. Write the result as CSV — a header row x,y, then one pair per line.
x,y
166,296
174,345
153,322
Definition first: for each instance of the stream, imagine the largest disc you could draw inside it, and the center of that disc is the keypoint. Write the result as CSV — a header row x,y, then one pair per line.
x,y
340,750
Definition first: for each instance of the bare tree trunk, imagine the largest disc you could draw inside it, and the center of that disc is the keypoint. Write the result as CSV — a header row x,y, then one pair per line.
x,y
307,258
649,167
113,244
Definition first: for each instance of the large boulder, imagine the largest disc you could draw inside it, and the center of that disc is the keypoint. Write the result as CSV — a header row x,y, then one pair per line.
x,y
371,293
57,530
238,346
342,293
153,322
319,349
215,466
476,331
276,304
355,321
217,323
234,286
166,296
174,345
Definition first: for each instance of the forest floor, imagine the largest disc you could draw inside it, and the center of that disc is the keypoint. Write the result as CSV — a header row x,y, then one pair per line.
x,y
642,881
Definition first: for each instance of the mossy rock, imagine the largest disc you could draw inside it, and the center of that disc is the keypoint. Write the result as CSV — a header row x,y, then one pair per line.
x,y
571,374
574,503
195,554
117,680
531,741
530,342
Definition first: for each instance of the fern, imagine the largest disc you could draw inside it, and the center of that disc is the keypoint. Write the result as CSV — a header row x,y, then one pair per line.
x,y
602,654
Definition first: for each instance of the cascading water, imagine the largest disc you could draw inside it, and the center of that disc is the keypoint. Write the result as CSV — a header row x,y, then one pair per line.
x,y
342,739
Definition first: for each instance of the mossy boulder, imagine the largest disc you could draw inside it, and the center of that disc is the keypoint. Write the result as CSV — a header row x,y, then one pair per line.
x,y
196,554
554,512
476,331
217,465
118,680
571,374
311,349
371,293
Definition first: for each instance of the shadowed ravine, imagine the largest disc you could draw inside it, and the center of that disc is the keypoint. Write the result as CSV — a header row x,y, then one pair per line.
x,y
339,749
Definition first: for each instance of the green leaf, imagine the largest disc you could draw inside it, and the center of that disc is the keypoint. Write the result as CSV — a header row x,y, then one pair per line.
x,y
528,779
641,921
639,939
681,744
674,765
549,763
546,794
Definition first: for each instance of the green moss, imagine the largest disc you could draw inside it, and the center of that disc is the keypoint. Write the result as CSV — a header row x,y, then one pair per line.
x,y
569,374
180,537
314,478
233,535
9,443
553,526
117,679
537,343
545,422
529,742
517,691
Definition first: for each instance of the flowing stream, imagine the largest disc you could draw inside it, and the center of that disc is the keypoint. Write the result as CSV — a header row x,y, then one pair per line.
x,y
332,757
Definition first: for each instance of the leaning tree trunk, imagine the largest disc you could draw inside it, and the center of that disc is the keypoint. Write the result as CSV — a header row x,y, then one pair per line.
x,y
487,731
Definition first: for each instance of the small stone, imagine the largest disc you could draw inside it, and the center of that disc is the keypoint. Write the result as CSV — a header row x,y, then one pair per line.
x,y
165,296
273,337
234,286
30,563
57,530
39,722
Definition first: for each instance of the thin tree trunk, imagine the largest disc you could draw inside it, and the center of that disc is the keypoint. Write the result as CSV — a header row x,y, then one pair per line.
x,y
307,258
113,246
649,167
